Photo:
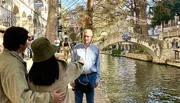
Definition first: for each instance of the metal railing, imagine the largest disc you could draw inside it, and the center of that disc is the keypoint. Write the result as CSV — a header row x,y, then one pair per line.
x,y
7,18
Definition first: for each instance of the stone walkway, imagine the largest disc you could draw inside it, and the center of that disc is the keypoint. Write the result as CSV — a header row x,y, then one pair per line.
x,y
99,97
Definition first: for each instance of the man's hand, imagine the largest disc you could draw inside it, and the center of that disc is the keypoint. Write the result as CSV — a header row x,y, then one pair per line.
x,y
72,84
96,84
58,97
81,61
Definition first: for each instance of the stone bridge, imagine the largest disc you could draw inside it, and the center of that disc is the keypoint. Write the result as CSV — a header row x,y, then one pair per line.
x,y
151,45
158,49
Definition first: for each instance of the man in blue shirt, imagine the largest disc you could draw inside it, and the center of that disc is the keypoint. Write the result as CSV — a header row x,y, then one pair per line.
x,y
89,53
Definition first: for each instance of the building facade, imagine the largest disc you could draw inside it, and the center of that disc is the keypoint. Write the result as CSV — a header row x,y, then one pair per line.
x,y
30,14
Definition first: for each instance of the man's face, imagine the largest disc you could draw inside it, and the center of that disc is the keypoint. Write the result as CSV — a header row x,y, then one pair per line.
x,y
23,47
87,38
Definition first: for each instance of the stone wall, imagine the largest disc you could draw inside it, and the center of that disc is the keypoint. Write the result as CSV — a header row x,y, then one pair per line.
x,y
154,59
162,60
173,63
144,57
159,60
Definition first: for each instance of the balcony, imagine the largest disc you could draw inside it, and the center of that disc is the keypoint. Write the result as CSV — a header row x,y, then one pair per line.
x,y
7,18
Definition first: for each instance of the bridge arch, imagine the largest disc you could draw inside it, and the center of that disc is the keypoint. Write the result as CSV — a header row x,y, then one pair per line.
x,y
151,45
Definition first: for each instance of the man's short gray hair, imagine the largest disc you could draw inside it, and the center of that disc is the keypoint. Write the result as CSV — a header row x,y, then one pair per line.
x,y
89,31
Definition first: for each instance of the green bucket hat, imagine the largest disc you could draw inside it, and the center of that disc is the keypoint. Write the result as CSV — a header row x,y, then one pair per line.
x,y
42,49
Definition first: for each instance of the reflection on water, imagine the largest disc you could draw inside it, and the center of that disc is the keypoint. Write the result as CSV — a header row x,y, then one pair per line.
x,y
126,80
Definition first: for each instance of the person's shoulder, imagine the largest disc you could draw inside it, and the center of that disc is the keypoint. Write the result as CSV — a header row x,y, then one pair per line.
x,y
95,46
12,63
78,45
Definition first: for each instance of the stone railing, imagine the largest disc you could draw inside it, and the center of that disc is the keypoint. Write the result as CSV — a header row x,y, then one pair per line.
x,y
173,33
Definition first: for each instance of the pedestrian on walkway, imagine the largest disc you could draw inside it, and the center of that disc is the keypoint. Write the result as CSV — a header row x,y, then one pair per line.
x,y
29,50
47,73
66,47
13,72
90,77
57,43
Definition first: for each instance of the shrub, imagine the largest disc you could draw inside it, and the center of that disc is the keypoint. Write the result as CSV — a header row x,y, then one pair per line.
x,y
116,51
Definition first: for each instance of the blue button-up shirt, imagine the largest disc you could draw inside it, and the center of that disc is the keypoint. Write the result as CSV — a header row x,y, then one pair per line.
x,y
90,56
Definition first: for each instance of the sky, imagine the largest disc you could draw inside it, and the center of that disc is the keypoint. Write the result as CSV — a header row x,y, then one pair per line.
x,y
71,4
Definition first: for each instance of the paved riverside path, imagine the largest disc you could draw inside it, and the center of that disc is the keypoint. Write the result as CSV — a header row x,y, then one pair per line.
x,y
99,97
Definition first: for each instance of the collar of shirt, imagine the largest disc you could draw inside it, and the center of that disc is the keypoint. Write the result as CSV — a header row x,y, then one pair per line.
x,y
87,46
16,55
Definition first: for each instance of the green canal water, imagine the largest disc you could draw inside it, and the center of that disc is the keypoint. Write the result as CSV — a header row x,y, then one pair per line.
x,y
125,80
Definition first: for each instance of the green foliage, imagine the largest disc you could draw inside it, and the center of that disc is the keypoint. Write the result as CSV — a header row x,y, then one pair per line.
x,y
116,51
160,14
137,51
165,10
176,7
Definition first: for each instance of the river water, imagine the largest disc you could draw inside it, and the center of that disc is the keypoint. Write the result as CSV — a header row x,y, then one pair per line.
x,y
125,80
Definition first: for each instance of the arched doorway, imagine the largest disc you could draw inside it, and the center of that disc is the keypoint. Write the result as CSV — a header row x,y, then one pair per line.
x,y
16,13
24,20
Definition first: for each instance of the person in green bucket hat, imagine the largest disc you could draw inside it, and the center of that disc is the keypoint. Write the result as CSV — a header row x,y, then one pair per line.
x,y
47,73
13,83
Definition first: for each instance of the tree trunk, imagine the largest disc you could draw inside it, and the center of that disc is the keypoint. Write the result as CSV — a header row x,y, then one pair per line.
x,y
162,26
51,28
132,11
137,8
143,20
89,18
